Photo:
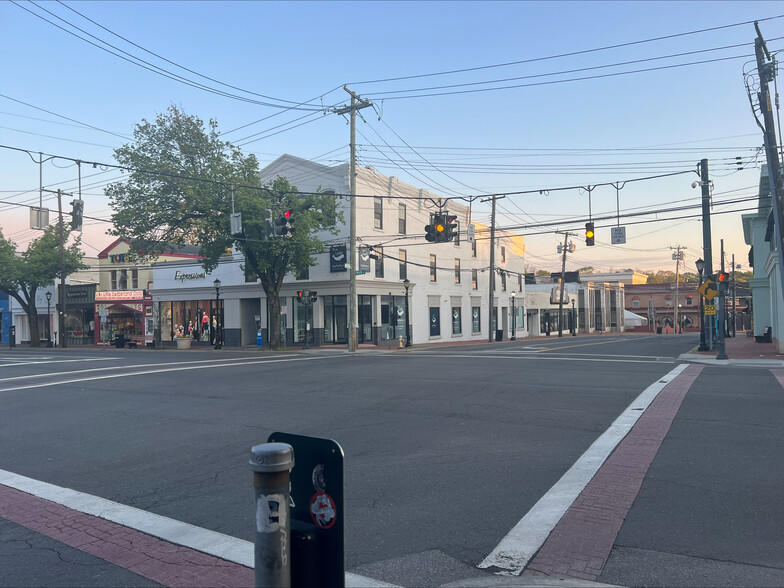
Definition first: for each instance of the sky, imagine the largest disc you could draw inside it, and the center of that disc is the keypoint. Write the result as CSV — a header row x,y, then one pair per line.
x,y
533,100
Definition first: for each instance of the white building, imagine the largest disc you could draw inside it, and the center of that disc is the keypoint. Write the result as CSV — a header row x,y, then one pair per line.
x,y
448,282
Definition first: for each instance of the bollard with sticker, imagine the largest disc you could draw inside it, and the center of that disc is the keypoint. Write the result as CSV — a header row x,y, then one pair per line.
x,y
271,464
317,513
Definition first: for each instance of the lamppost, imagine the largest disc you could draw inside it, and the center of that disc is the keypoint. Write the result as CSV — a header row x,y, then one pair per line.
x,y
217,284
700,263
514,319
48,320
407,285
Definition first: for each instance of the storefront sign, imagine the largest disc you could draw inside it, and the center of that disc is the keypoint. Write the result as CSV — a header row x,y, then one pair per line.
x,y
337,258
364,260
120,295
182,276
122,258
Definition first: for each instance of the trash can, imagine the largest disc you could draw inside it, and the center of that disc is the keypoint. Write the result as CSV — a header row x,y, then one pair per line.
x,y
499,335
119,340
658,330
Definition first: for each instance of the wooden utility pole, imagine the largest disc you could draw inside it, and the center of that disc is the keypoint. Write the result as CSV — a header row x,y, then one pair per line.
x,y
357,103
678,257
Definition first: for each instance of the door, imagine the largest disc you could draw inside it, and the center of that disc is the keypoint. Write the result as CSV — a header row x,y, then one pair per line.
x,y
341,324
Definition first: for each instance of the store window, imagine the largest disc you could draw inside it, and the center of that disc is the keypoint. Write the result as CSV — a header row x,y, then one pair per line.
x,y
457,270
378,212
403,266
474,279
636,303
435,321
476,323
432,268
457,327
401,220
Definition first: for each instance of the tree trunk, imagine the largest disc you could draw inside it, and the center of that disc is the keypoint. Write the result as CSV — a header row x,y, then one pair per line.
x,y
35,332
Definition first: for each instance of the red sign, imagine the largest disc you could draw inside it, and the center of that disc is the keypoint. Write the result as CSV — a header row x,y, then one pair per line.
x,y
120,295
322,509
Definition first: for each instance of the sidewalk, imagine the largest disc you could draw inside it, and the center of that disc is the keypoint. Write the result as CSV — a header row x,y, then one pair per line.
x,y
741,350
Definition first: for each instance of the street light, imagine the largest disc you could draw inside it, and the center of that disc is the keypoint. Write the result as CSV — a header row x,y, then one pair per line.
x,y
217,284
407,285
700,263
514,319
48,320
574,320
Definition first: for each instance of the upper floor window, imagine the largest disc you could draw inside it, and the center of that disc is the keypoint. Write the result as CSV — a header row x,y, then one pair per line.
x,y
474,280
401,219
403,265
503,254
432,268
378,212
457,270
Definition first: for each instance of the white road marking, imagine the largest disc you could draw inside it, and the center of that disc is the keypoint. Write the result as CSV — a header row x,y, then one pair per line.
x,y
515,550
217,544
540,357
180,367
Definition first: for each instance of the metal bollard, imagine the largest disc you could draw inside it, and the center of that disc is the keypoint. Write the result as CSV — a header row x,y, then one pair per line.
x,y
271,464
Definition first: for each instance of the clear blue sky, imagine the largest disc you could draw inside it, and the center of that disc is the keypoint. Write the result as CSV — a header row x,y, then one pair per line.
x,y
542,133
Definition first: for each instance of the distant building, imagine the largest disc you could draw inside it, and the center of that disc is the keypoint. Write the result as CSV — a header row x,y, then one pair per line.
x,y
628,277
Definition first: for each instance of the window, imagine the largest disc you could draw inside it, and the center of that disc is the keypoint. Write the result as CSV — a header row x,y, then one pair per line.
x,y
432,268
457,271
134,279
474,280
303,274
435,321
456,320
636,303
668,301
519,282
379,261
378,212
114,280
473,248
503,280
503,254
403,265
476,324
401,219
689,301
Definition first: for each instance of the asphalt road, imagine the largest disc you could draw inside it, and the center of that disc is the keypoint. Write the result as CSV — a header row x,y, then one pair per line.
x,y
445,449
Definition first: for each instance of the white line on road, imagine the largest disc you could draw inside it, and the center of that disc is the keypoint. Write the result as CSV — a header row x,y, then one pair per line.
x,y
540,357
180,367
211,542
515,550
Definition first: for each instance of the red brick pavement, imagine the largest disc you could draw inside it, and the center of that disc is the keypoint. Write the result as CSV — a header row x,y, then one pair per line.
x,y
160,561
581,542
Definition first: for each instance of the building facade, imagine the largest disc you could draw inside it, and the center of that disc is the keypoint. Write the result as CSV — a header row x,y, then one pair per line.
x,y
447,283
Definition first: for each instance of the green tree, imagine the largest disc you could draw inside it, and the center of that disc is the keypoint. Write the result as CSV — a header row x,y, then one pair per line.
x,y
183,184
542,273
22,274
588,269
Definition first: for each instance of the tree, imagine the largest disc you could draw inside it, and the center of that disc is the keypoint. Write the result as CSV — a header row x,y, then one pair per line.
x,y
182,181
22,274
542,273
588,269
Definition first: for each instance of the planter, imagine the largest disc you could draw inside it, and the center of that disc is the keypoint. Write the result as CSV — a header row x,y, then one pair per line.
x,y
184,343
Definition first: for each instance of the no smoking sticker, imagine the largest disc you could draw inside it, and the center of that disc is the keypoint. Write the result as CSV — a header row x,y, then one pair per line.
x,y
322,509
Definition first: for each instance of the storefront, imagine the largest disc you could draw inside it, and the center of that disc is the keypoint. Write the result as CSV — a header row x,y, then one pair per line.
x,y
124,312
198,319
80,314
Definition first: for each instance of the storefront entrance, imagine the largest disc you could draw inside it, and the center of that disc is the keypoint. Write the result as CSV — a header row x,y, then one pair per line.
x,y
365,319
335,320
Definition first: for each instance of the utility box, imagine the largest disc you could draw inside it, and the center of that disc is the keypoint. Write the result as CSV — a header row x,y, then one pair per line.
x,y
317,511
12,336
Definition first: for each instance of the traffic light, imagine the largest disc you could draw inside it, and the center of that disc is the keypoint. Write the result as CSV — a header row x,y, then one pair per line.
x,y
435,232
77,211
451,227
300,296
312,296
589,234
283,226
723,281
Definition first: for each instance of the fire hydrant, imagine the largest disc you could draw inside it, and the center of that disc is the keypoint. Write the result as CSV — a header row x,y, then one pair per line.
x,y
400,344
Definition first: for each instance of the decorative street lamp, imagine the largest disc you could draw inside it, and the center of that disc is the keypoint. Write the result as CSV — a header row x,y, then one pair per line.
x,y
574,320
217,284
700,263
48,320
513,336
407,285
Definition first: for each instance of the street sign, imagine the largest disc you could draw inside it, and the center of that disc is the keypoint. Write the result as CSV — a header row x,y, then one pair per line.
x,y
618,235
710,309
361,272
708,289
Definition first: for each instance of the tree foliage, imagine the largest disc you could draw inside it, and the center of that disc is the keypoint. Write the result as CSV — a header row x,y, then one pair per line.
x,y
23,273
183,184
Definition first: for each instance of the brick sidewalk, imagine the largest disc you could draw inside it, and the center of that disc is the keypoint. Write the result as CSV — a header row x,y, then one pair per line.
x,y
160,561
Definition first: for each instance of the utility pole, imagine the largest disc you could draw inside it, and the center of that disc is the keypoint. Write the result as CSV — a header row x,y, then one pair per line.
x,y
357,103
61,317
492,268
767,71
734,318
707,249
678,257
563,282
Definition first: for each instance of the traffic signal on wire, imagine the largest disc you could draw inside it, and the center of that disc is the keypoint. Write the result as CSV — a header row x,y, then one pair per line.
x,y
77,212
283,226
451,227
435,232
589,234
